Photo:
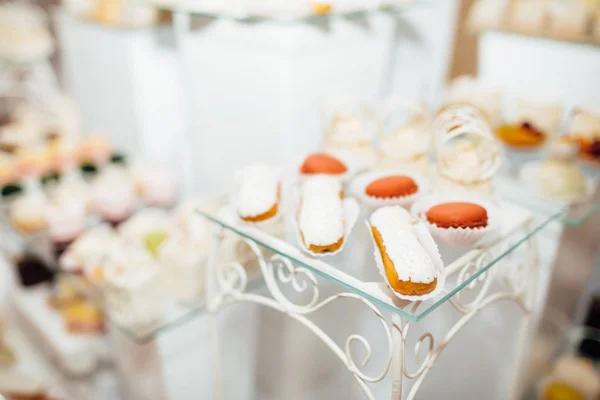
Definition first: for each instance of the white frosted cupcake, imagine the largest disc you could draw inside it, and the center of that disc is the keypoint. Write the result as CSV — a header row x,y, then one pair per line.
x,y
156,184
66,220
28,212
91,245
113,195
148,228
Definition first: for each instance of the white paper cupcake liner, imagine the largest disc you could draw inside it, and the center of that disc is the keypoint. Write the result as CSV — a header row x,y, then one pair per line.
x,y
528,176
432,250
359,185
458,236
351,212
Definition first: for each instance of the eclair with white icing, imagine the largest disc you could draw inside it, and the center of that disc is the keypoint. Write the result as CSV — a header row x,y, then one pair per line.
x,y
259,193
408,268
321,214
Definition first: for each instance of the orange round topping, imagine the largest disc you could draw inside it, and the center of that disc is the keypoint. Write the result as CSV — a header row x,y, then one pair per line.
x,y
392,186
321,163
458,215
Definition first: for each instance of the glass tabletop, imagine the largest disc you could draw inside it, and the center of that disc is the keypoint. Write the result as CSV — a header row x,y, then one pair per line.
x,y
572,215
354,268
199,9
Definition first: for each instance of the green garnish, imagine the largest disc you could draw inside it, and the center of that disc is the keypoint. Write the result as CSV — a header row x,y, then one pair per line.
x,y
11,189
153,241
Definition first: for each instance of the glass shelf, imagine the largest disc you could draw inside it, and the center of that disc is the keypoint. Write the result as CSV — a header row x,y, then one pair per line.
x,y
346,268
174,316
570,215
195,9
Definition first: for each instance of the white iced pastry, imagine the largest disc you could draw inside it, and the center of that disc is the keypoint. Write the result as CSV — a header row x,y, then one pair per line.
x,y
528,15
147,227
28,212
114,196
469,90
569,18
543,113
321,215
410,255
24,35
66,220
560,176
133,291
258,192
156,183
89,247
182,256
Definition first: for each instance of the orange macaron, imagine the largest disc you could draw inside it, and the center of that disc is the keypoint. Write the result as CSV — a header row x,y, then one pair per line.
x,y
322,163
392,186
458,215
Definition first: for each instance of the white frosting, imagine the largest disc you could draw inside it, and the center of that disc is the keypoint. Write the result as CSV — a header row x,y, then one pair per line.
x,y
411,260
158,184
348,129
585,123
258,190
91,245
29,211
543,113
66,220
113,194
469,161
321,218
558,178
129,267
143,222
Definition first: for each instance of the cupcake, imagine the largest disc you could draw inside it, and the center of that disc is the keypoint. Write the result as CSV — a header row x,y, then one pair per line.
x,y
66,221
9,178
89,246
407,259
28,212
157,185
114,196
94,152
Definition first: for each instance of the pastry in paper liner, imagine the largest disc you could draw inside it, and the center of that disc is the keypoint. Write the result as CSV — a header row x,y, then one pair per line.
x,y
359,184
425,239
351,169
458,236
528,176
266,223
351,211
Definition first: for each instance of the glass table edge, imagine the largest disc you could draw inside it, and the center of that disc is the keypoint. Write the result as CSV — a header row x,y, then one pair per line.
x,y
308,18
396,310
